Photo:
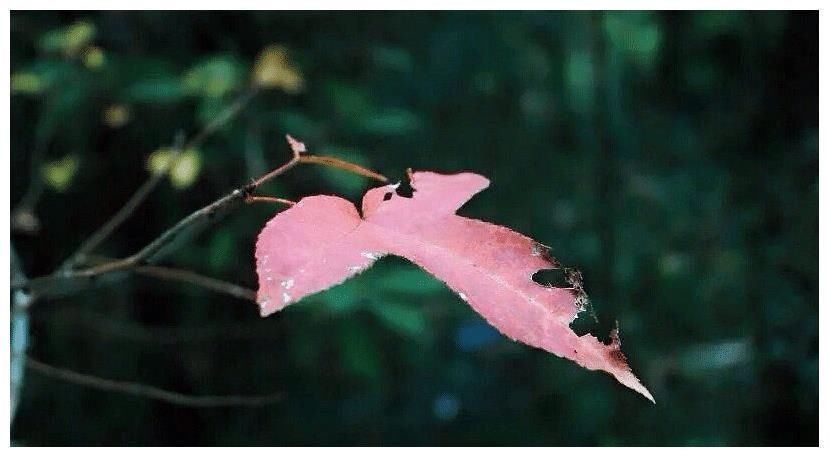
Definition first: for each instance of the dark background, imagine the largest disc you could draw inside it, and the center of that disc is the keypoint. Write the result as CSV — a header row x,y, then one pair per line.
x,y
672,157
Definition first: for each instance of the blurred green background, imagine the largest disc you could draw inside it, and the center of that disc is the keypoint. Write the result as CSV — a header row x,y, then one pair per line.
x,y
672,157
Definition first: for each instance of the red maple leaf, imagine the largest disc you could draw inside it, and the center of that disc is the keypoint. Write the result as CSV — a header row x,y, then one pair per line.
x,y
322,241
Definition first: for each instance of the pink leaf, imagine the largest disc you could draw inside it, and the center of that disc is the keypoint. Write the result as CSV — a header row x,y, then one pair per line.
x,y
322,241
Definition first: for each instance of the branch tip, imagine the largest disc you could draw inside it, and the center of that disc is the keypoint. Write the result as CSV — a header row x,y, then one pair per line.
x,y
298,147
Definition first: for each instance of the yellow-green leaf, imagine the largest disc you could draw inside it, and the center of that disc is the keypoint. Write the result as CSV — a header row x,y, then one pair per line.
x,y
58,174
183,172
186,169
273,69
26,83
69,40
93,57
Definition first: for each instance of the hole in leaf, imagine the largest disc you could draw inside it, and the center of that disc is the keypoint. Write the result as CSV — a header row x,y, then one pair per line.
x,y
405,189
585,323
552,278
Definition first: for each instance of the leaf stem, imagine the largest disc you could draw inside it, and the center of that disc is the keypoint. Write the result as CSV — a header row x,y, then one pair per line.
x,y
266,199
343,165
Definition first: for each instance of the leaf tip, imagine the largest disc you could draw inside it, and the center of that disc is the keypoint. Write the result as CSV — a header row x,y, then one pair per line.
x,y
636,385
628,378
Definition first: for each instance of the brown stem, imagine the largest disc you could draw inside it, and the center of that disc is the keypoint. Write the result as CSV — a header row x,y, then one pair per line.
x,y
177,274
143,390
296,148
100,235
69,281
144,191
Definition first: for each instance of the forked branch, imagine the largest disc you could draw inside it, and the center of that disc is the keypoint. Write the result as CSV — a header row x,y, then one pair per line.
x,y
64,282
141,194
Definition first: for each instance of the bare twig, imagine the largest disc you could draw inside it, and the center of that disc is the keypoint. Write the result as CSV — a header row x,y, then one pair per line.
x,y
224,117
182,275
217,285
23,217
125,212
143,390
64,282
297,148
29,199
144,191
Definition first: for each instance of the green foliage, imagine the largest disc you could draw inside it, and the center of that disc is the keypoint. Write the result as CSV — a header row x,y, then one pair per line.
x,y
58,174
356,108
213,77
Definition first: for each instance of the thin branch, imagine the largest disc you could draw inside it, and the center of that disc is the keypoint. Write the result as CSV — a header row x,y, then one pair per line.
x,y
23,215
217,285
64,282
144,191
35,189
297,148
182,275
143,390
224,117
299,151
125,212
